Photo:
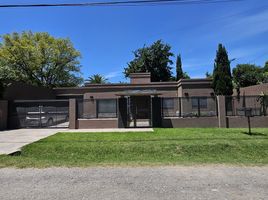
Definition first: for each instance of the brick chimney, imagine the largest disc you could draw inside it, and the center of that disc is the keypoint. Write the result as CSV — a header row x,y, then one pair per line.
x,y
140,78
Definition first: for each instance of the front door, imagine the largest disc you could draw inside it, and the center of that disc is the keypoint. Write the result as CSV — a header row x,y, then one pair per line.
x,y
139,111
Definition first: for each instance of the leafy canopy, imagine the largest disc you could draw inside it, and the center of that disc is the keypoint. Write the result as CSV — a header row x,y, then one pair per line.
x,y
154,59
222,78
39,59
265,73
96,79
247,74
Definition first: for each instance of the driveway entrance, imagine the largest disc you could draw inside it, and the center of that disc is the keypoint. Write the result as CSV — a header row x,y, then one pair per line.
x,y
12,141
39,114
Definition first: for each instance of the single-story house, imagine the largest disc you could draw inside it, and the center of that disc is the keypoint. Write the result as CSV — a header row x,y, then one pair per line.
x,y
140,103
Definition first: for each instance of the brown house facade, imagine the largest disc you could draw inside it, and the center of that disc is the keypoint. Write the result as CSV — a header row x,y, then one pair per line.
x,y
141,103
137,104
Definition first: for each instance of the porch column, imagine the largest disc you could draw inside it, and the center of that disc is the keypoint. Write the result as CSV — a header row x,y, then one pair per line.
x,y
156,112
122,112
72,114
222,112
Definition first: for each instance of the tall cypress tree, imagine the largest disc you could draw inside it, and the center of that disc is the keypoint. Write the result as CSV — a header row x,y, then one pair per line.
x,y
179,72
222,78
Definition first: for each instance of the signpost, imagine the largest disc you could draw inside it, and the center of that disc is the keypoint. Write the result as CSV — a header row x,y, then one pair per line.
x,y
248,114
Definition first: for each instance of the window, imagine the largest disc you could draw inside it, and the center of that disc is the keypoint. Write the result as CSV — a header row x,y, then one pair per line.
x,y
202,101
168,103
106,108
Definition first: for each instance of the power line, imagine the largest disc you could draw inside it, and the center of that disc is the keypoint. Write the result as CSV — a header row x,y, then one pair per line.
x,y
120,3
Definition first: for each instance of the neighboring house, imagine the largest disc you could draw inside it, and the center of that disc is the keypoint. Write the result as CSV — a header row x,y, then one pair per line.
x,y
253,90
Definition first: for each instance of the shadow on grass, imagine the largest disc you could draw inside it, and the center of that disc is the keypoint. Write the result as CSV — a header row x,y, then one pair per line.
x,y
255,134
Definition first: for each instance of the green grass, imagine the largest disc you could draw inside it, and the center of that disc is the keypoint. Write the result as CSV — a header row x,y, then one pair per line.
x,y
161,147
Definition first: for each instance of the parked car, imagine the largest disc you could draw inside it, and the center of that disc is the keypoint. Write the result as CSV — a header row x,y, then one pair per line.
x,y
46,116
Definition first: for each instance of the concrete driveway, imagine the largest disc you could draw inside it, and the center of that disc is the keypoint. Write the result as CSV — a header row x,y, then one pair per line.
x,y
13,140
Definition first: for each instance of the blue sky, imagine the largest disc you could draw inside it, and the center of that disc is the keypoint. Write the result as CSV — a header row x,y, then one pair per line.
x,y
106,36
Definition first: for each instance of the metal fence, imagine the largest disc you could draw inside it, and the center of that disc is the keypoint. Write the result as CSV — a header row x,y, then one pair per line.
x,y
235,105
39,114
189,107
96,108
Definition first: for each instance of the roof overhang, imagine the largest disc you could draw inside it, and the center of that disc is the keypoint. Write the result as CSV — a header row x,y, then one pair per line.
x,y
138,93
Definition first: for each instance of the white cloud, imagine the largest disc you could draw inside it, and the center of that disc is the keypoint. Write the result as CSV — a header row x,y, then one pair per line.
x,y
194,64
246,52
113,74
248,26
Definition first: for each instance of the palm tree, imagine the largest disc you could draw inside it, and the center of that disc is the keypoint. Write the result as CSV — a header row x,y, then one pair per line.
x,y
97,79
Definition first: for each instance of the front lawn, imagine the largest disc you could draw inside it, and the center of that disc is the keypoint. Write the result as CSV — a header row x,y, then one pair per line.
x,y
161,147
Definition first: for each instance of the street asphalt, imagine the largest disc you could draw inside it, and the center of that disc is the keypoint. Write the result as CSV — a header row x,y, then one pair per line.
x,y
123,183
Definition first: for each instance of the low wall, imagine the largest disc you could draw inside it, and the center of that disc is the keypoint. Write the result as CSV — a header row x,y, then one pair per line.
x,y
96,123
197,122
242,122
3,114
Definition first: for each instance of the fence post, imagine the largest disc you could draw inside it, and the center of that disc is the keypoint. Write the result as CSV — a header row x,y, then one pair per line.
x,y
180,106
72,114
3,114
221,111
198,106
156,112
122,112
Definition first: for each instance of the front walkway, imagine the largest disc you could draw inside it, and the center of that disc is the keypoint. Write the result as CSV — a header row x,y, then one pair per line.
x,y
12,141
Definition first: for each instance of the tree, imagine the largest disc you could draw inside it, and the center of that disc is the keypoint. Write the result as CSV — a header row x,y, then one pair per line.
x,y
222,78
1,89
97,79
247,74
265,68
179,72
185,75
39,59
154,59
265,73
209,75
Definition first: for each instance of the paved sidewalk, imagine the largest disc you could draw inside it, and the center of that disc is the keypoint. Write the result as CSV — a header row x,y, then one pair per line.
x,y
135,183
13,140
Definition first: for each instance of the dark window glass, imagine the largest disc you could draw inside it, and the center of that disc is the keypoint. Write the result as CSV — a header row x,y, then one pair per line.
x,y
107,108
168,103
194,103
202,100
